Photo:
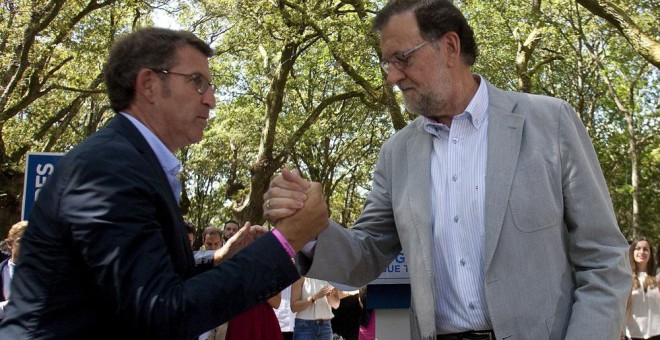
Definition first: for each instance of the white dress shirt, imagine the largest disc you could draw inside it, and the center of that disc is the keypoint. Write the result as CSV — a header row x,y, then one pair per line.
x,y
7,275
171,165
458,175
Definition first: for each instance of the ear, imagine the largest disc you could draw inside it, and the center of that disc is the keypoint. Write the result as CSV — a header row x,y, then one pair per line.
x,y
452,44
147,85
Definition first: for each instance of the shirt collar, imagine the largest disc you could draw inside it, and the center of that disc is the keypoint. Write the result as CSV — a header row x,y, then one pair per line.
x,y
476,111
166,158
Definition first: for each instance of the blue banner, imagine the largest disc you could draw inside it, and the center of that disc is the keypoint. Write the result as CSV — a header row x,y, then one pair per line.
x,y
38,167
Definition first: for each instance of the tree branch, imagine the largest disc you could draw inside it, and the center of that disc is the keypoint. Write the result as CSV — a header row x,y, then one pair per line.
x,y
643,43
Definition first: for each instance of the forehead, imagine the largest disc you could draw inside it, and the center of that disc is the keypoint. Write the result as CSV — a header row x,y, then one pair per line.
x,y
231,226
191,60
642,244
401,32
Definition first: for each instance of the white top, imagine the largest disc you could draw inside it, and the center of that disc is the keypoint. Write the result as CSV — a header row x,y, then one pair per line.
x,y
644,319
285,316
320,309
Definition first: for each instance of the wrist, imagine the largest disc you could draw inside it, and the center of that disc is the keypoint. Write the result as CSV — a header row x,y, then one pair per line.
x,y
285,243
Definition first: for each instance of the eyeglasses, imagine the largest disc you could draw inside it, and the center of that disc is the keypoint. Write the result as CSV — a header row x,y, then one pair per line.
x,y
400,60
201,83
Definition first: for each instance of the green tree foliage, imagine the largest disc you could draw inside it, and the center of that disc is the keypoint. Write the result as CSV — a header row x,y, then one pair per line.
x,y
298,85
558,48
288,86
51,88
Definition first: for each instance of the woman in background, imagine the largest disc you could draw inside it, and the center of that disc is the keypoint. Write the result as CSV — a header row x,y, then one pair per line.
x,y
367,318
285,316
346,323
257,323
313,300
643,310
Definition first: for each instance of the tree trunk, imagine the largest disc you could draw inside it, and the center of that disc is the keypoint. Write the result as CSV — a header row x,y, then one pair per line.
x,y
266,164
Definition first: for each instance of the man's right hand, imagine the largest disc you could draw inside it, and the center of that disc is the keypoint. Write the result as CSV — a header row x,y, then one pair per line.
x,y
308,222
286,195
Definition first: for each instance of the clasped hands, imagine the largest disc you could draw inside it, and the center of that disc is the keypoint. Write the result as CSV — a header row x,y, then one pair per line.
x,y
296,207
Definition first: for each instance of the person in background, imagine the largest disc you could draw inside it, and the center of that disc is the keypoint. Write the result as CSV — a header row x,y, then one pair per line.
x,y
313,300
212,238
257,323
657,261
106,254
231,227
367,318
190,229
487,192
4,250
643,310
13,242
346,320
285,316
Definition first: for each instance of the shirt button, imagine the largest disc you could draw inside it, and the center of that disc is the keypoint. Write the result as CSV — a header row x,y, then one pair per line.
x,y
454,140
456,218
454,178
462,262
471,305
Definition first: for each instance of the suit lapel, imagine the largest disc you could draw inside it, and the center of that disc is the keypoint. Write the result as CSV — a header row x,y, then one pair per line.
x,y
124,127
504,139
419,181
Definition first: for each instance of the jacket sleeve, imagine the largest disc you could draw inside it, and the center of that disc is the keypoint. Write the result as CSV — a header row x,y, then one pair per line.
x,y
369,246
596,247
118,221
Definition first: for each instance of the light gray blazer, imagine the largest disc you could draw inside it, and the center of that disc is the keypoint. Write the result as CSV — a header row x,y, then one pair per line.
x,y
556,264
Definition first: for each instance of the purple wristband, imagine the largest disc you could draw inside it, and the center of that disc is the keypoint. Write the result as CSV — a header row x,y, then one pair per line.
x,y
283,241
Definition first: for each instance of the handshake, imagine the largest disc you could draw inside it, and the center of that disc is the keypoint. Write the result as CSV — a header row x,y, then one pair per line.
x,y
296,207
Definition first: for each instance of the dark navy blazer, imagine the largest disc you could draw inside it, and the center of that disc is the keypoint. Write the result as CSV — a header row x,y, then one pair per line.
x,y
106,255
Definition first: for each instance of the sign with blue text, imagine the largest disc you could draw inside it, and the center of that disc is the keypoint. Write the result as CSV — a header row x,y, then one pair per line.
x,y
38,166
395,273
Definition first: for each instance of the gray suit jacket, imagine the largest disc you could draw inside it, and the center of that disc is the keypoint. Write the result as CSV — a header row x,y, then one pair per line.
x,y
556,263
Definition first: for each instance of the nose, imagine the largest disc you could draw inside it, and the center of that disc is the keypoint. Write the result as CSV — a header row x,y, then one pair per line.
x,y
208,98
394,75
